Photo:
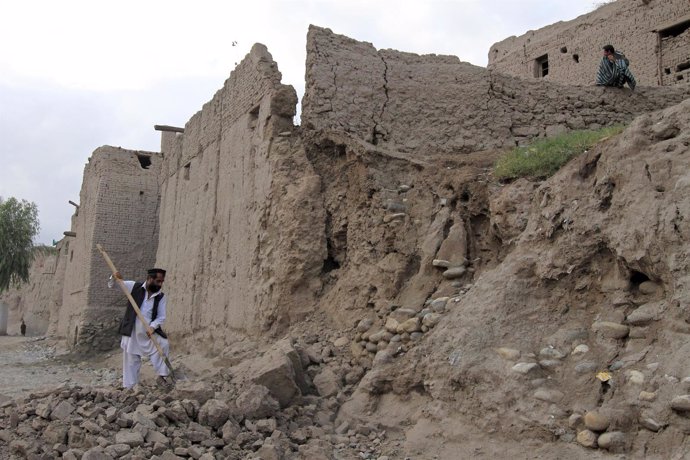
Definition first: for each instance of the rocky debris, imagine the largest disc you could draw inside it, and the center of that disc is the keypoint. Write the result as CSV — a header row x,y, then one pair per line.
x,y
611,330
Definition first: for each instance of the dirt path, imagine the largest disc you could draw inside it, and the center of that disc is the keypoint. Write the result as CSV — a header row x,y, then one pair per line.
x,y
29,364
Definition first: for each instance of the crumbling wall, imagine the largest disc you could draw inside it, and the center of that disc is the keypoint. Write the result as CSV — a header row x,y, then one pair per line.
x,y
431,104
37,301
572,49
238,199
118,208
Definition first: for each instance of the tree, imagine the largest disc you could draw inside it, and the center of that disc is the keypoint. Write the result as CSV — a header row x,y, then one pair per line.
x,y
18,228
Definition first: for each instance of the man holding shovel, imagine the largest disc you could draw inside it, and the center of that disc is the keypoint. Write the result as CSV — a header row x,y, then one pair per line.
x,y
136,338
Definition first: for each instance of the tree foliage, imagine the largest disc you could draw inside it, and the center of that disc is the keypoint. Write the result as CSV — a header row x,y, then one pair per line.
x,y
18,227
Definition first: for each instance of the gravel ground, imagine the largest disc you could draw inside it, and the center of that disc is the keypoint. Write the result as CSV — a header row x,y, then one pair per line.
x,y
29,364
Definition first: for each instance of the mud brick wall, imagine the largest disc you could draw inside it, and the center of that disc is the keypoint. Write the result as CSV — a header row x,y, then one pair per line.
x,y
119,203
573,48
429,104
227,204
39,300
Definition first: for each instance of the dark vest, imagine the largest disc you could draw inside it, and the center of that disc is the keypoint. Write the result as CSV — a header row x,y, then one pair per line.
x,y
130,318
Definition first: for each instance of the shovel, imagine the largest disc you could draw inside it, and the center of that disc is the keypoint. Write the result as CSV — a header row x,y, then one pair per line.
x,y
136,309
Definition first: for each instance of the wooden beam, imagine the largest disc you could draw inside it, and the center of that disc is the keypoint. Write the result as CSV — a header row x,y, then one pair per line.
x,y
72,234
73,203
168,128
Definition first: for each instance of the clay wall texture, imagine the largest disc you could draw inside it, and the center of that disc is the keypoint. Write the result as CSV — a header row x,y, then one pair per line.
x,y
429,104
226,193
39,300
119,203
574,48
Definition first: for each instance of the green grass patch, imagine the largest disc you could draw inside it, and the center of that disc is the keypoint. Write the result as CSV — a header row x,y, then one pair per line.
x,y
544,157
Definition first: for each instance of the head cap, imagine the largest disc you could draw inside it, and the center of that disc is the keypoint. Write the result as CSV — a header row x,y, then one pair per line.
x,y
153,272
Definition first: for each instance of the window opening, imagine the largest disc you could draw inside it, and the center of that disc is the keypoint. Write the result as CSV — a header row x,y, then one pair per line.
x,y
541,66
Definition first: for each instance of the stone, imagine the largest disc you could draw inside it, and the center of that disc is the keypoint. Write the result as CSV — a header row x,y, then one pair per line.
x,y
650,424
416,336
441,263
509,354
550,363
611,330
410,326
270,451
454,272
642,316
62,411
118,450
587,438
391,325
525,368
131,438
176,413
548,395
576,421
647,396
96,453
154,436
341,342
197,391
266,426
431,319
402,314
379,336
613,441
364,325
279,370
256,402
597,421
214,413
648,287
580,349
55,433
681,403
439,305
327,383
230,431
635,377
551,353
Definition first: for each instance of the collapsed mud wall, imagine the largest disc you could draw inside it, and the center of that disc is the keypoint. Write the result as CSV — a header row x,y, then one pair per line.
x,y
240,221
429,104
654,34
118,208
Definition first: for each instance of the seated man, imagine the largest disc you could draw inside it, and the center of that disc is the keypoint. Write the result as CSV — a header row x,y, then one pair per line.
x,y
614,70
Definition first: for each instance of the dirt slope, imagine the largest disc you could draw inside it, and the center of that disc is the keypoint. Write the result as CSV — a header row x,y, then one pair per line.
x,y
596,280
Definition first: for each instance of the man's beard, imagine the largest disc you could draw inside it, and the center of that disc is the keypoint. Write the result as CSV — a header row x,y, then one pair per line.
x,y
154,288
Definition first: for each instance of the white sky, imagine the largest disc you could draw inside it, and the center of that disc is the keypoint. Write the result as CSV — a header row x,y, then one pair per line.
x,y
78,74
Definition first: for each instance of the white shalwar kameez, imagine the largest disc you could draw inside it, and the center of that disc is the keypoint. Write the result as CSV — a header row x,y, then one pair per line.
x,y
139,344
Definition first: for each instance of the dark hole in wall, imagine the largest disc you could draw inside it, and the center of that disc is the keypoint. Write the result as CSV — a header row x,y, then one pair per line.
x,y
576,58
465,196
679,77
541,66
564,49
144,161
637,278
683,66
76,334
675,29
71,254
253,117
187,169
330,264
667,71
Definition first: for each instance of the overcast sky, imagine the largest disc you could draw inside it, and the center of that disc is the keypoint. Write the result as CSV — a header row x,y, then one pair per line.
x,y
75,75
